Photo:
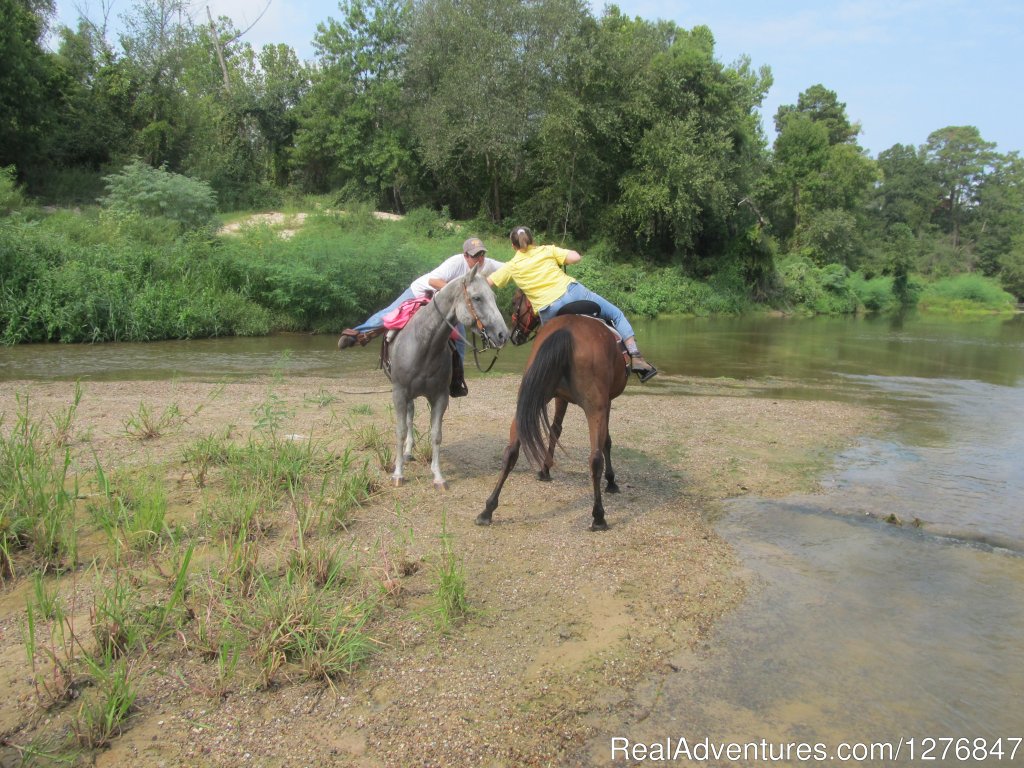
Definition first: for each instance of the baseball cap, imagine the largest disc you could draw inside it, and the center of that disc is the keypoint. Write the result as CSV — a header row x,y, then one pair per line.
x,y
473,246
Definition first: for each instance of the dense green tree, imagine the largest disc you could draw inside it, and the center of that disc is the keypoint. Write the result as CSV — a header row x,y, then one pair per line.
x,y
352,130
820,180
480,76
999,212
156,36
1011,267
820,105
801,151
900,252
590,125
960,158
909,190
279,84
93,128
26,80
221,140
689,168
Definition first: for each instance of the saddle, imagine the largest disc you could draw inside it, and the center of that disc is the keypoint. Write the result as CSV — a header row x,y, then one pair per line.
x,y
588,308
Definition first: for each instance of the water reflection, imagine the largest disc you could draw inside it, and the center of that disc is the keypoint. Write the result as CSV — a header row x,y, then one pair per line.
x,y
990,350
797,349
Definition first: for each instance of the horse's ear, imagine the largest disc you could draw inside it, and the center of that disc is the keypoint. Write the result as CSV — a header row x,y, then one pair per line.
x,y
472,271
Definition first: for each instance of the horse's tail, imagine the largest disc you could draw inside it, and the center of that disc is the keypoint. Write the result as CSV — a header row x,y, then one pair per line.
x,y
552,365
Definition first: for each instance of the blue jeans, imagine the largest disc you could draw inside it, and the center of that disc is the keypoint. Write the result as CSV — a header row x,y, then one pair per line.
x,y
376,320
609,312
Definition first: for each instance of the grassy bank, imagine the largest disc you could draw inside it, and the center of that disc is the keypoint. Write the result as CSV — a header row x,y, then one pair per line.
x,y
93,276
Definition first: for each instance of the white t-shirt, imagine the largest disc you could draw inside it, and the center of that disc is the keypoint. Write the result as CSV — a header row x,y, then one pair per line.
x,y
448,270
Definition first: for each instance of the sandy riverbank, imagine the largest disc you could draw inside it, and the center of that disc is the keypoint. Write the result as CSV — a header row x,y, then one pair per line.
x,y
564,623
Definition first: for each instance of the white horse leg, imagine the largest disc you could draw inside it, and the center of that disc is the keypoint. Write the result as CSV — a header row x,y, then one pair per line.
x,y
403,436
410,433
437,409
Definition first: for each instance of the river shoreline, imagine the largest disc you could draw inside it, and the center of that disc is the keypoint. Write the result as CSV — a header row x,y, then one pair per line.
x,y
563,623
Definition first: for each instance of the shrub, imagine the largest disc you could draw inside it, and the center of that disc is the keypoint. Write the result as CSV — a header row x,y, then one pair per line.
x,y
1011,268
966,294
875,294
11,198
142,191
818,290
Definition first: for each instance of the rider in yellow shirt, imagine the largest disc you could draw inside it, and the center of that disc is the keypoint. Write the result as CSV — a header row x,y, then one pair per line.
x,y
536,269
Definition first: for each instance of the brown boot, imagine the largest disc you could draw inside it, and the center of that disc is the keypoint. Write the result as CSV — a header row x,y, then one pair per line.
x,y
644,370
349,338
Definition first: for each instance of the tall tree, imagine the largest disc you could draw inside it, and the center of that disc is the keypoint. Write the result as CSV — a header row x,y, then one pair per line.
x,y
820,105
480,74
997,228
801,151
820,179
960,158
94,126
280,84
909,190
353,132
26,80
155,38
684,141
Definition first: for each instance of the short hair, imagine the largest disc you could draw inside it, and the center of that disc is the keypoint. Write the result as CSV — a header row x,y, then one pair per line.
x,y
521,237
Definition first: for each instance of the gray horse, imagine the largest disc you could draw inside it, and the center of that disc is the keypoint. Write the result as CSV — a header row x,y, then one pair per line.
x,y
421,362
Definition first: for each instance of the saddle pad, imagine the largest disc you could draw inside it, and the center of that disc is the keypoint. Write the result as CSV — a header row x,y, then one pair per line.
x,y
399,317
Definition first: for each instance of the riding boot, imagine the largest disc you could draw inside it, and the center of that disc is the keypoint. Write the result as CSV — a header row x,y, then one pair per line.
x,y
349,338
458,386
644,370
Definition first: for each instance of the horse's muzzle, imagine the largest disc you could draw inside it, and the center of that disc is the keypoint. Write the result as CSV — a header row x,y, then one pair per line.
x,y
496,340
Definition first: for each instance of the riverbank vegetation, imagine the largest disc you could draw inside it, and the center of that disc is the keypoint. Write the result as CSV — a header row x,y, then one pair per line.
x,y
633,143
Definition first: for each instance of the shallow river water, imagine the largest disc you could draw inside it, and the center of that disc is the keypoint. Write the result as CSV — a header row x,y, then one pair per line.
x,y
859,637
864,640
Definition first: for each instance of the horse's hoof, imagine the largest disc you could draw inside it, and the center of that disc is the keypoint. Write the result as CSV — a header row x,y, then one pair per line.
x,y
410,457
481,520
398,482
441,486
544,476
599,526
612,488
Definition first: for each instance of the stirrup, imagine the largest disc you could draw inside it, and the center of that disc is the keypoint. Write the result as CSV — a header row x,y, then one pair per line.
x,y
645,372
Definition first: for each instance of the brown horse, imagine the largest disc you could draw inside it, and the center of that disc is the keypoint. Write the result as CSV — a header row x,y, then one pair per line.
x,y
576,360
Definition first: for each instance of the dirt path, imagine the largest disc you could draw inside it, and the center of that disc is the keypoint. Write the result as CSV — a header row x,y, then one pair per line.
x,y
564,623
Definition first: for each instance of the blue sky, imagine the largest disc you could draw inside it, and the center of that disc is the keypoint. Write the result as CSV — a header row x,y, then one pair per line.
x,y
904,68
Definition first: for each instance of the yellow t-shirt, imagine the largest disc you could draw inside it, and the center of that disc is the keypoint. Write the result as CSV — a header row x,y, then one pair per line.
x,y
536,271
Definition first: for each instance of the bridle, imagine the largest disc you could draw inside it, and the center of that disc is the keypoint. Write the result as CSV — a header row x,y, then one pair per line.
x,y
479,329
525,321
